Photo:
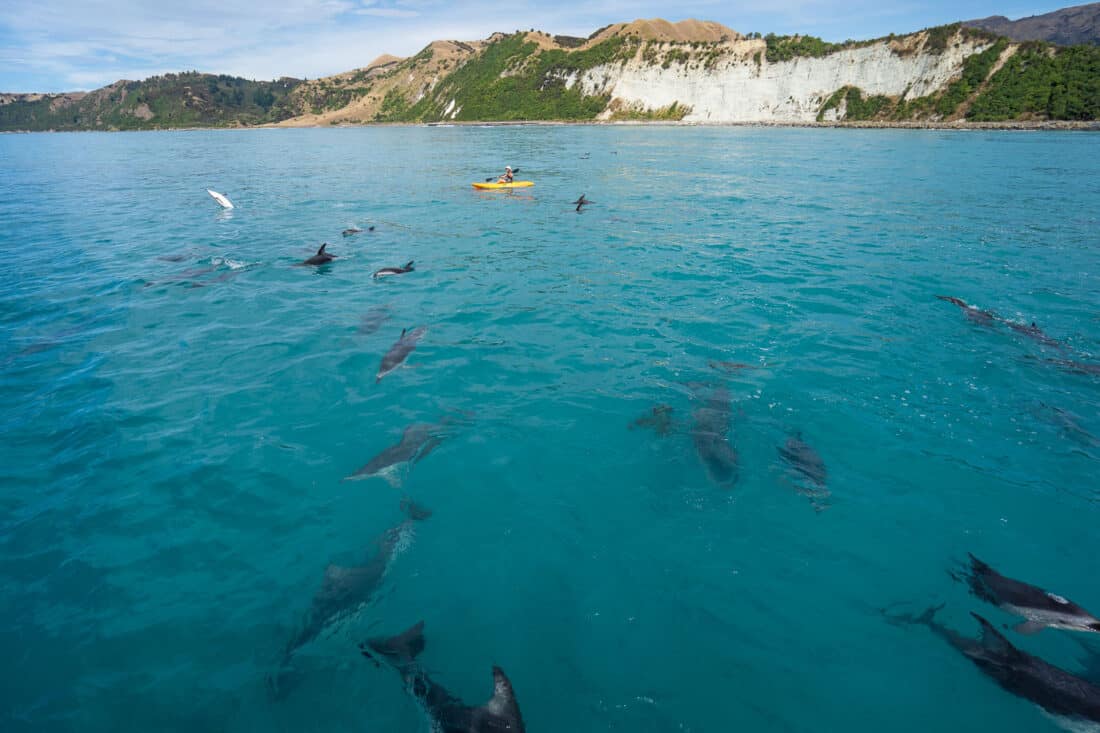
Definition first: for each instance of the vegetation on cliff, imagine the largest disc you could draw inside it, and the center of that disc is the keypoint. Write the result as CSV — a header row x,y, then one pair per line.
x,y
1037,82
189,99
1041,81
512,80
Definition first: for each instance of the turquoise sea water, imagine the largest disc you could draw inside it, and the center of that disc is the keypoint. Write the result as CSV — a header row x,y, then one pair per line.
x,y
172,455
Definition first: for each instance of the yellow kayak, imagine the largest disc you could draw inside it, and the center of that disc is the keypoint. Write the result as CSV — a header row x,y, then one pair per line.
x,y
495,186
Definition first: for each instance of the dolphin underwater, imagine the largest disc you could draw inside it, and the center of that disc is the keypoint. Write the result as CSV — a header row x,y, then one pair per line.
x,y
400,351
1068,423
373,319
345,591
1077,367
1041,608
975,314
659,418
729,366
582,201
321,258
804,459
449,713
394,270
710,433
416,443
355,230
221,199
1057,691
801,457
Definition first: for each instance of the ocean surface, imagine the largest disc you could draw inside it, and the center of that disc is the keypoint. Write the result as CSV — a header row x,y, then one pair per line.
x,y
180,403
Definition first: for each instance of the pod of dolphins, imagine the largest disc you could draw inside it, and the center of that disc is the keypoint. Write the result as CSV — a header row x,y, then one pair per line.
x,y
345,591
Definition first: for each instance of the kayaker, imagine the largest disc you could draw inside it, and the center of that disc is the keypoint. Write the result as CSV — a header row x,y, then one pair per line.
x,y
507,177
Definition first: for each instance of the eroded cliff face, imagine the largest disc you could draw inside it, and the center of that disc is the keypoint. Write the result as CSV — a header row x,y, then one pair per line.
x,y
740,84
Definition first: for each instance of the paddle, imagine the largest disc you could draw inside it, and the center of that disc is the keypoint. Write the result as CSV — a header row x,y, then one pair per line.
x,y
489,180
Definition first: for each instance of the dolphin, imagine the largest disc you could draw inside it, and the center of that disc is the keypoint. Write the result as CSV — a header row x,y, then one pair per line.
x,y
729,366
1058,692
582,201
345,591
355,230
373,319
710,433
416,443
394,270
194,272
221,199
1077,367
1068,423
321,258
400,351
975,314
659,418
1036,334
804,459
1041,608
448,713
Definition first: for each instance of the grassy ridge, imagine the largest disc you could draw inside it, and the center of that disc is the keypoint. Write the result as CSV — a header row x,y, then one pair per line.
x,y
189,99
510,81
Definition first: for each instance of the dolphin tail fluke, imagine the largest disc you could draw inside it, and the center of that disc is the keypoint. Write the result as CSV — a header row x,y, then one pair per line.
x,y
401,649
927,618
409,265
503,702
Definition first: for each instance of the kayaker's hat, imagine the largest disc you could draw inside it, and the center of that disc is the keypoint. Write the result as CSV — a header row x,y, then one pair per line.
x,y
507,167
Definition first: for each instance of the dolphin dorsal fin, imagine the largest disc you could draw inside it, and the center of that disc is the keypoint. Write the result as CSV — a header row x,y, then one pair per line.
x,y
994,640
322,250
503,702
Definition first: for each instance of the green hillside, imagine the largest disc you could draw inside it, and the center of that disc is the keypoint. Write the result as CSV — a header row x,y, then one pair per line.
x,y
189,99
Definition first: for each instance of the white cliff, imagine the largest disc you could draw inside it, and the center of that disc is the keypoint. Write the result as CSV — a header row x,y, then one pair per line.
x,y
738,84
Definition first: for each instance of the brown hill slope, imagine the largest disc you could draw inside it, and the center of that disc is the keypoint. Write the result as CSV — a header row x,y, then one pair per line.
x,y
657,29
374,92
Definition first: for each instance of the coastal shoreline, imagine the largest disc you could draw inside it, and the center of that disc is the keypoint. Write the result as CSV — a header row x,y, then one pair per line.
x,y
1015,125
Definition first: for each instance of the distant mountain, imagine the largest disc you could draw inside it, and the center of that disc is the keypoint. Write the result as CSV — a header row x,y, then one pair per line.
x,y
1065,27
188,99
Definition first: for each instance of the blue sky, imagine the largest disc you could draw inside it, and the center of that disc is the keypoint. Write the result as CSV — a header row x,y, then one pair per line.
x,y
69,45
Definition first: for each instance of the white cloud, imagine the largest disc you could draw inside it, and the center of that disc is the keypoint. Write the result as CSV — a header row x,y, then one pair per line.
x,y
59,45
